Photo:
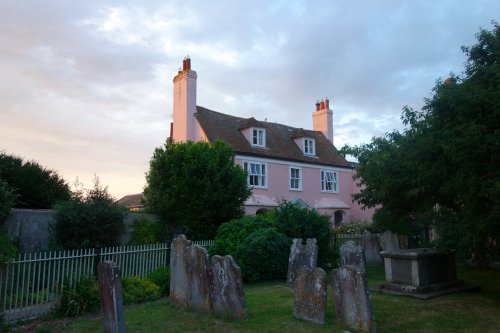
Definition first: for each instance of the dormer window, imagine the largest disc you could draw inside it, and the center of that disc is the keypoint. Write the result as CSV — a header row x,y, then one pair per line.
x,y
258,137
309,147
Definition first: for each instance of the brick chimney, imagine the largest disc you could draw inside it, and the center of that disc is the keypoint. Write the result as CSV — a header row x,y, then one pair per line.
x,y
185,125
323,119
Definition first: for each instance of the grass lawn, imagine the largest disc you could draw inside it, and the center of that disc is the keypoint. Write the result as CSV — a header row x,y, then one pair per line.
x,y
270,307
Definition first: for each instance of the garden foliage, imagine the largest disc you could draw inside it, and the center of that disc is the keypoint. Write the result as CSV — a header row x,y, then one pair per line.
x,y
161,277
81,298
137,290
298,222
92,219
263,255
34,185
195,187
145,231
260,244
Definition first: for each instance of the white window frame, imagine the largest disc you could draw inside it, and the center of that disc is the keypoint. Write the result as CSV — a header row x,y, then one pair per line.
x,y
309,146
259,177
291,178
258,137
334,180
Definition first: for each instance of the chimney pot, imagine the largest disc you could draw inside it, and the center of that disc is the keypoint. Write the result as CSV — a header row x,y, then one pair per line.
x,y
327,104
188,63
184,64
317,105
322,105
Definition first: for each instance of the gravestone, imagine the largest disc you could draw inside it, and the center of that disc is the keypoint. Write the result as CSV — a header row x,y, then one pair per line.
x,y
199,295
352,254
389,241
371,248
301,255
110,289
180,271
422,273
310,295
228,298
352,299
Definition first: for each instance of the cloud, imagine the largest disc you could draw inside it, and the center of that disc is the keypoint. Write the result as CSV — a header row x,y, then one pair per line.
x,y
86,87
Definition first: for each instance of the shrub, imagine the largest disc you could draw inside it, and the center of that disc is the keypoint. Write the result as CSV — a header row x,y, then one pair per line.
x,y
353,227
137,290
145,231
83,297
231,235
7,249
161,277
264,255
91,221
297,222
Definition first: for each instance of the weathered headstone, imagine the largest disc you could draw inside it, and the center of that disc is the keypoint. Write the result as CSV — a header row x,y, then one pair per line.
x,y
310,295
199,296
301,255
389,241
352,299
180,268
371,248
352,254
111,297
228,298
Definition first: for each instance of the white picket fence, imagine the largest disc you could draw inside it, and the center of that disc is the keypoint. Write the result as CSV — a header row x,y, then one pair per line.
x,y
31,285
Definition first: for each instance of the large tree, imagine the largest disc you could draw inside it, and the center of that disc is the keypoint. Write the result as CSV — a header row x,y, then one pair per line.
x,y
195,187
34,185
444,168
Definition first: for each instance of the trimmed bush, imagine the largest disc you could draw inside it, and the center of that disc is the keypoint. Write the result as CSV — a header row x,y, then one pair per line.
x,y
231,235
161,277
264,255
137,290
297,222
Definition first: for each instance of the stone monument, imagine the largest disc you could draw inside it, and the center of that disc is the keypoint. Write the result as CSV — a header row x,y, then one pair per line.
x,y
310,295
371,248
352,254
352,299
301,255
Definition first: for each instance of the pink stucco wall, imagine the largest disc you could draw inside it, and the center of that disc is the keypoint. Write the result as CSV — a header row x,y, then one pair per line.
x,y
278,186
357,211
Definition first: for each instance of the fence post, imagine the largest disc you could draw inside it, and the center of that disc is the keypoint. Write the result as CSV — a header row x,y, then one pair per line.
x,y
97,260
111,297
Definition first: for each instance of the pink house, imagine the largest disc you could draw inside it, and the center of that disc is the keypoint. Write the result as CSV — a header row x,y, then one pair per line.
x,y
282,162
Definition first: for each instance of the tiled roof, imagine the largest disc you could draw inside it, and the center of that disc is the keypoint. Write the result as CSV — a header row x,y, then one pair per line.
x,y
279,139
131,200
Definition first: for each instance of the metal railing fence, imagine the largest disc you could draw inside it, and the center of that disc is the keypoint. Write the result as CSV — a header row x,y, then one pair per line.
x,y
31,285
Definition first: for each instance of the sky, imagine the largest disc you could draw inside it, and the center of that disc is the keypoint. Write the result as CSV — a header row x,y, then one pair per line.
x,y
86,86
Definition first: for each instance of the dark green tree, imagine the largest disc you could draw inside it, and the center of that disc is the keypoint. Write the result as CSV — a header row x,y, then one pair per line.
x,y
443,169
195,187
92,218
35,186
7,199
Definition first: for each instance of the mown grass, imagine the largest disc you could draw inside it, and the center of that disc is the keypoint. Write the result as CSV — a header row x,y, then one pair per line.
x,y
270,307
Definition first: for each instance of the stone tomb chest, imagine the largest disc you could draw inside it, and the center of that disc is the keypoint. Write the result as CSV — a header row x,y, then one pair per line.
x,y
422,273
